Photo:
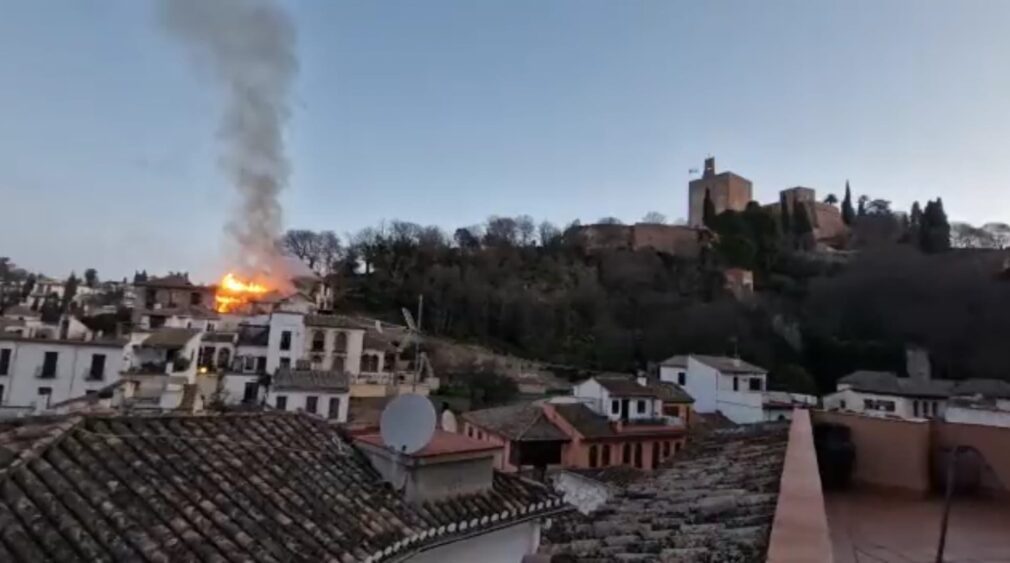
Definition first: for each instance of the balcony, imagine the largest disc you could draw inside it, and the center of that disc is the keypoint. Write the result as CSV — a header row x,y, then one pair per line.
x,y
42,373
149,368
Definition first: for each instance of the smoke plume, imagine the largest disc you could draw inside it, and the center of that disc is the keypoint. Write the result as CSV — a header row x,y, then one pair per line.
x,y
248,46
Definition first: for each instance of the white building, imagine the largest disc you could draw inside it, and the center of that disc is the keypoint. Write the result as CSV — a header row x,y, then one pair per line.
x,y
886,394
161,362
619,397
730,386
334,344
322,393
37,372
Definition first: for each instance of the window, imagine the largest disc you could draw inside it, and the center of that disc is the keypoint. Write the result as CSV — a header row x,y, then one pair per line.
x,y
676,447
626,454
189,324
736,383
594,454
261,364
672,410
606,456
638,455
480,435
841,404
640,407
682,378
281,402
251,393
338,363
285,363
286,340
316,361
45,393
655,455
5,361
97,370
341,344
318,341
755,384
666,450
469,431
223,358
311,404
250,363
49,365
210,327
334,411
1,394
615,407
195,298
915,408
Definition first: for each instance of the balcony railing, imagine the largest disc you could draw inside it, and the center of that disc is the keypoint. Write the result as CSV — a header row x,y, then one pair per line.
x,y
93,375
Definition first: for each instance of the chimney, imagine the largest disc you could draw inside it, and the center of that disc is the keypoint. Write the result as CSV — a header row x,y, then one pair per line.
x,y
917,363
450,465
709,167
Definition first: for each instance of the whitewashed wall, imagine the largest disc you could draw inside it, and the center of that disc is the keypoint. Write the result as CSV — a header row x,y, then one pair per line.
x,y
72,367
297,400
508,545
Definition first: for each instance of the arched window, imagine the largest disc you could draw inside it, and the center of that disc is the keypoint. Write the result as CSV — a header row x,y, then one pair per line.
x,y
318,341
655,455
638,455
594,456
606,456
626,455
341,343
223,358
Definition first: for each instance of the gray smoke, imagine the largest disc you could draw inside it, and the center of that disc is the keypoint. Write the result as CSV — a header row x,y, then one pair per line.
x,y
248,46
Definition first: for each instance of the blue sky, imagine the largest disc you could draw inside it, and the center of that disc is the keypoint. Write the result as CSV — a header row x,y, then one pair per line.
x,y
445,112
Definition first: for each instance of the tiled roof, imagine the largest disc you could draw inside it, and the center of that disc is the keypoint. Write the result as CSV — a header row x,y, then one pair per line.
x,y
670,392
991,388
220,337
888,383
623,386
728,365
584,420
615,475
194,311
678,361
170,338
259,487
329,321
310,380
522,422
715,502
172,282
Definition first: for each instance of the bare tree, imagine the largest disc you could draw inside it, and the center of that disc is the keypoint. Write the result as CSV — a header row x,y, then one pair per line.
x,y
526,228
501,231
610,221
654,218
549,234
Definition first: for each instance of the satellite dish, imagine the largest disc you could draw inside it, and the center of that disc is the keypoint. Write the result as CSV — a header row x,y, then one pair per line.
x,y
408,423
449,423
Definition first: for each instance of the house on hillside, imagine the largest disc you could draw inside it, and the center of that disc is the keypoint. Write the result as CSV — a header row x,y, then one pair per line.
x,y
886,394
730,386
525,434
321,393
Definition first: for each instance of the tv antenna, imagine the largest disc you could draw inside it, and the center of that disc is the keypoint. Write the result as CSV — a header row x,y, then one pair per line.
x,y
414,336
408,423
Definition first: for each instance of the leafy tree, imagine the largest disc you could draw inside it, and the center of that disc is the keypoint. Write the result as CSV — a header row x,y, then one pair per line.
x,y
878,207
69,292
831,199
793,378
848,214
708,210
91,277
654,218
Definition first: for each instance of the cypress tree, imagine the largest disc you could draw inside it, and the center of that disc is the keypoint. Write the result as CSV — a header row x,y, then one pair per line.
x,y
786,219
708,211
848,214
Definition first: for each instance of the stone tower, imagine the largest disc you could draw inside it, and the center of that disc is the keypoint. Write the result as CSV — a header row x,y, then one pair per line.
x,y
728,191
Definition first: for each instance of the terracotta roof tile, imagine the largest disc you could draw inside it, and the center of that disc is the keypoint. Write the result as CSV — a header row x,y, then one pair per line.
x,y
262,487
522,422
715,502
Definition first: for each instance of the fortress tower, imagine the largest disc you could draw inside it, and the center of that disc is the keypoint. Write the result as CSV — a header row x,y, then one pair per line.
x,y
728,191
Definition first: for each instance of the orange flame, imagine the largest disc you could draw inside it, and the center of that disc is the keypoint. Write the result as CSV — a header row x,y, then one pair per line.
x,y
234,292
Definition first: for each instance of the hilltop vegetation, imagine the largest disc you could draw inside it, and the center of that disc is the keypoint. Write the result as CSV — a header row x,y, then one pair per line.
x,y
534,291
